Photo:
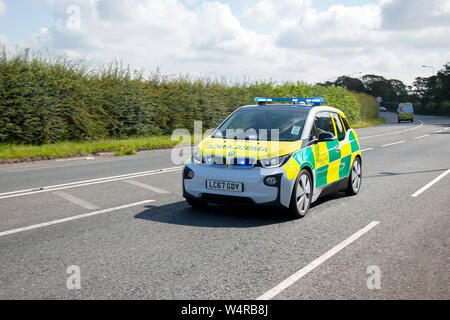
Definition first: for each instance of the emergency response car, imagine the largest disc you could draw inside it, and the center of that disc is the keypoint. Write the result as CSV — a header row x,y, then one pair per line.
x,y
275,154
405,112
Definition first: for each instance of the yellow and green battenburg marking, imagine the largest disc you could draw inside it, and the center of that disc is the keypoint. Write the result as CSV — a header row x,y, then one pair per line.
x,y
330,165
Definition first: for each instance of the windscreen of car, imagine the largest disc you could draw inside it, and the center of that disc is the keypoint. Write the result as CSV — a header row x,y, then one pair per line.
x,y
257,123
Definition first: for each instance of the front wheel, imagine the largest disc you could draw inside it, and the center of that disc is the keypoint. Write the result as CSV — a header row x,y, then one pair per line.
x,y
354,182
301,195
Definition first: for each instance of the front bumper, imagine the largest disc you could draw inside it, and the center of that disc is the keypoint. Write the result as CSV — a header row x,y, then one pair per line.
x,y
255,191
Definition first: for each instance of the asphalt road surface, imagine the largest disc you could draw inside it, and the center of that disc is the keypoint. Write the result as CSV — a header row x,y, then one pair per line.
x,y
124,223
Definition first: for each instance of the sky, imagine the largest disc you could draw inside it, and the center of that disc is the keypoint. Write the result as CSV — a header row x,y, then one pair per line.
x,y
279,40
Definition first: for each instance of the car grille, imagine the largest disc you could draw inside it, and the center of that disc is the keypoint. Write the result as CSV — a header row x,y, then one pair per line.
x,y
226,199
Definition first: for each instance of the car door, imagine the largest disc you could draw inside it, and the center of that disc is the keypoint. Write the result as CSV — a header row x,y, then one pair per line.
x,y
327,155
344,145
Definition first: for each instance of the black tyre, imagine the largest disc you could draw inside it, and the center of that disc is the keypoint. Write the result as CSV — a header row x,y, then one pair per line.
x,y
355,179
301,195
195,203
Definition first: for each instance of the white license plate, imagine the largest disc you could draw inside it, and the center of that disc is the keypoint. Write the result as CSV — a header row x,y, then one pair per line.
x,y
224,185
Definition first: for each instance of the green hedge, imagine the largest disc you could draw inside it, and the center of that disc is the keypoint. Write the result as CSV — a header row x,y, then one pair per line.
x,y
51,100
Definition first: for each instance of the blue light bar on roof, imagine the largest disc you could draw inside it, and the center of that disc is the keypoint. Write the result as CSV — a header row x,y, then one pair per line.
x,y
294,101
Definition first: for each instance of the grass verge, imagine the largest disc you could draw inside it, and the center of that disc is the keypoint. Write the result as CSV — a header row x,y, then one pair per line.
x,y
118,147
369,123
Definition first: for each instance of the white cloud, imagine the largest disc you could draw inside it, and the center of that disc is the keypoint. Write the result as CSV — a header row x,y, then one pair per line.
x,y
3,40
206,38
2,7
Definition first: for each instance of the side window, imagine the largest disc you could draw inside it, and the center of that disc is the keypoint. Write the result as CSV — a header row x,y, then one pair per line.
x,y
339,127
346,125
324,123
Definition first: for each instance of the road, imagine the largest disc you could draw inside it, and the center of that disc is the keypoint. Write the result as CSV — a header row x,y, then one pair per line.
x,y
124,223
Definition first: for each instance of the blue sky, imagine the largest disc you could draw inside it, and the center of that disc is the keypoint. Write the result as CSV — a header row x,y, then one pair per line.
x,y
308,40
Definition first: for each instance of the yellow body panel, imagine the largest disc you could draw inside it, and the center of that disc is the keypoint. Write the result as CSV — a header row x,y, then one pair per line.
x,y
250,149
333,171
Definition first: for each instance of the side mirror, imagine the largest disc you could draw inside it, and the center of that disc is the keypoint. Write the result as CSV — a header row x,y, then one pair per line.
x,y
326,136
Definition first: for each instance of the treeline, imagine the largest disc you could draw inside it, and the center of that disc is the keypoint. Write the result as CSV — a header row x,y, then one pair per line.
x,y
49,100
430,95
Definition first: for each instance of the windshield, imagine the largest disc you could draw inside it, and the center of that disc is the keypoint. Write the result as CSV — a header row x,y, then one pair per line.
x,y
280,123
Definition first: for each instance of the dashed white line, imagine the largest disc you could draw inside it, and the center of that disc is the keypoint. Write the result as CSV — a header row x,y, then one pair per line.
x,y
439,131
314,264
421,137
429,185
146,186
20,193
75,200
393,143
367,149
90,214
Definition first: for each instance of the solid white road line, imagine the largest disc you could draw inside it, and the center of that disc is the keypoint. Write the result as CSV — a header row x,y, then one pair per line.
x,y
146,186
90,214
393,132
427,135
75,200
310,267
85,183
429,185
367,149
393,143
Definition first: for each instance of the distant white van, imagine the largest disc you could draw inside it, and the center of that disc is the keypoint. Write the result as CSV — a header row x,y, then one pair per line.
x,y
405,112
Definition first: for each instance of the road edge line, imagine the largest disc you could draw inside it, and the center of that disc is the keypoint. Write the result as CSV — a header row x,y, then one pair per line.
x,y
85,215
317,262
430,184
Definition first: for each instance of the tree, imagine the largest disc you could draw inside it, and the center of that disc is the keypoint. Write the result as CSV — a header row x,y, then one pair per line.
x,y
349,83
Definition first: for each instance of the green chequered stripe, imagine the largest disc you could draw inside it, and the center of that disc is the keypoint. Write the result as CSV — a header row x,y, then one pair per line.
x,y
322,174
332,153
353,142
344,169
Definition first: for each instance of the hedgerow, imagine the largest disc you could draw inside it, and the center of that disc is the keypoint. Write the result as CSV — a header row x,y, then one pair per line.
x,y
47,100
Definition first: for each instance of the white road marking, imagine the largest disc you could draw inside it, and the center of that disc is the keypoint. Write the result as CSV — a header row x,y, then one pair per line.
x,y
74,159
75,200
429,185
367,149
393,132
393,143
439,131
427,135
20,193
314,264
146,186
90,214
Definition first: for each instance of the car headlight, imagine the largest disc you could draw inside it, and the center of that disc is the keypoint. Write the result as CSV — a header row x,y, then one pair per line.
x,y
197,157
275,162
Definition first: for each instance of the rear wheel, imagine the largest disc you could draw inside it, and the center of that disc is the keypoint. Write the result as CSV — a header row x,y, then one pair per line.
x,y
301,195
355,179
195,203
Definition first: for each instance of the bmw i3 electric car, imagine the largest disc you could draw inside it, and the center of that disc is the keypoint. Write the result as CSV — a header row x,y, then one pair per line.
x,y
275,154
